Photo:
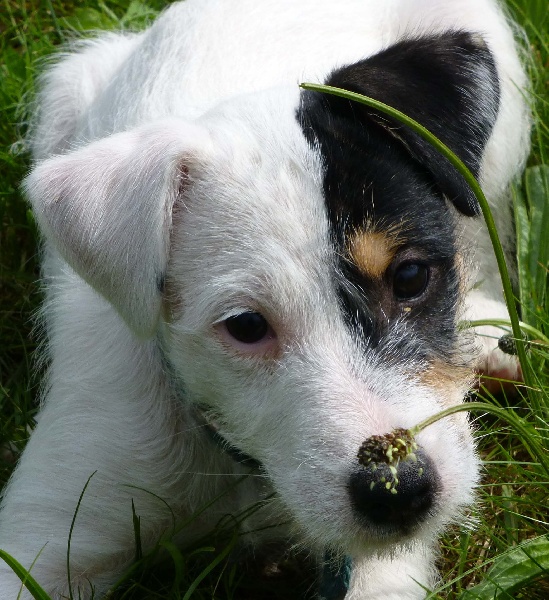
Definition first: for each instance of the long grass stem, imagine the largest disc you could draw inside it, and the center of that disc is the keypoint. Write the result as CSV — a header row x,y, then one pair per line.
x,y
529,438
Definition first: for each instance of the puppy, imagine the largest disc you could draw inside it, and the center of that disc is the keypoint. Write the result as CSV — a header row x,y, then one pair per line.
x,y
246,278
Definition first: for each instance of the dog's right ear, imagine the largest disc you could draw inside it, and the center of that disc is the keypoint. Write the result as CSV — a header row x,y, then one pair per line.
x,y
448,82
107,209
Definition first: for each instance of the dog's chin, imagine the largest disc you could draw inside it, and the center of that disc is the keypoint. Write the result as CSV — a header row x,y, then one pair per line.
x,y
382,540
349,533
395,533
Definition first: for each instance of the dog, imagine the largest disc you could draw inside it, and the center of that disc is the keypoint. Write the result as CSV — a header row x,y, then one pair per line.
x,y
245,280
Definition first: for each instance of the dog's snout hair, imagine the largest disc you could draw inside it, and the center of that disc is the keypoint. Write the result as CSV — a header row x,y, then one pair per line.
x,y
246,278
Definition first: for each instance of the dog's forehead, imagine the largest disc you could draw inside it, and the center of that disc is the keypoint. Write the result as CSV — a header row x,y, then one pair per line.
x,y
263,183
277,163
253,223
280,211
286,170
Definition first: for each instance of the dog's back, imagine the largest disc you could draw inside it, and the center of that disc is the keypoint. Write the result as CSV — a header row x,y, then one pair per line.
x,y
201,52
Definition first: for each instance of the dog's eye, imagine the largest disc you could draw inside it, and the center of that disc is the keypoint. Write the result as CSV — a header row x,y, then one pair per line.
x,y
248,327
410,280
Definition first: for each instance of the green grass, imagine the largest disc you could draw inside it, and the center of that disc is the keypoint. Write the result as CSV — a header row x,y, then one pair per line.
x,y
503,556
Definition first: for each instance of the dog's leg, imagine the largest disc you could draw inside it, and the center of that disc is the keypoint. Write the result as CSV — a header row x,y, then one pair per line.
x,y
484,300
399,577
109,418
491,360
107,414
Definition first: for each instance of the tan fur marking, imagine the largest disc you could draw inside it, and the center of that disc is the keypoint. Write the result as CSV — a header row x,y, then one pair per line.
x,y
372,252
450,381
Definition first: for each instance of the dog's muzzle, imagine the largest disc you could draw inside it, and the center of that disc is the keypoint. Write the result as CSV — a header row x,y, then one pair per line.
x,y
336,572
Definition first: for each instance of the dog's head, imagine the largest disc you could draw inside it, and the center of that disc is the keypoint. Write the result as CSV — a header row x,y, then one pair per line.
x,y
297,257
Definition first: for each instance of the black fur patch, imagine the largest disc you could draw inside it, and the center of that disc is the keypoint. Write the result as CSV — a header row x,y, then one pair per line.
x,y
161,282
381,175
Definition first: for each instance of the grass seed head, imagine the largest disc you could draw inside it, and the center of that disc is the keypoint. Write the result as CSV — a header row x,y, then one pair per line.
x,y
507,344
387,449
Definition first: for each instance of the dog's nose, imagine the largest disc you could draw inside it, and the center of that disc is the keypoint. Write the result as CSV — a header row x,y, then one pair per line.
x,y
398,497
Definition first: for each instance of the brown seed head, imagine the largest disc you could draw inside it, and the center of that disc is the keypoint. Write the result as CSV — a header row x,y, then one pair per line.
x,y
387,449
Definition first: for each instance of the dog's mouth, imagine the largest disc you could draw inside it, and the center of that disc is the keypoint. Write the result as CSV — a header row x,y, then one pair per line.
x,y
210,423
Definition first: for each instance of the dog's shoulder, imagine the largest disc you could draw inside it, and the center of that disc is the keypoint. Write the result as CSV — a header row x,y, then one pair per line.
x,y
69,84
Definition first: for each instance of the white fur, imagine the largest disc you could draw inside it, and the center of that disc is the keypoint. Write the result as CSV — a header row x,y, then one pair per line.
x,y
174,152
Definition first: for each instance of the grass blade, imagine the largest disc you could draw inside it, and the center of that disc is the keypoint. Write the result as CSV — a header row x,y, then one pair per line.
x,y
522,228
26,578
71,530
512,571
536,183
136,519
220,557
178,563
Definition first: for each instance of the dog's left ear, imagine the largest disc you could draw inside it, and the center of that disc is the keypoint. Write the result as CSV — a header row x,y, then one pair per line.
x,y
446,82
107,209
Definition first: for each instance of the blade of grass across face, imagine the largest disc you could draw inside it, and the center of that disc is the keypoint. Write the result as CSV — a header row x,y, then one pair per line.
x,y
475,187
504,324
522,240
530,438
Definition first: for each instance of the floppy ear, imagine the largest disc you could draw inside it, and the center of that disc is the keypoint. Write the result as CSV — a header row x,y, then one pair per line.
x,y
448,83
107,209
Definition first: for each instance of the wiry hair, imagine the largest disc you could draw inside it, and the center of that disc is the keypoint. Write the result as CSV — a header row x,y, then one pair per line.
x,y
183,183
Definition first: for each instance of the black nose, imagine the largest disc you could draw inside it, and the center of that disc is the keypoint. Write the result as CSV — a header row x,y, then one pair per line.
x,y
398,499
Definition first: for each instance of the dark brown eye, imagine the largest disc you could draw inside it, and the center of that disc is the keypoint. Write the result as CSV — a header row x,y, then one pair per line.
x,y
410,280
248,327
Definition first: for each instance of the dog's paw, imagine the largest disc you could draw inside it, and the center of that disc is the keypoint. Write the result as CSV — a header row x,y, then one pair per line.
x,y
493,360
494,364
